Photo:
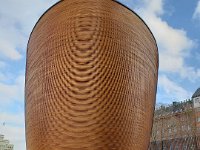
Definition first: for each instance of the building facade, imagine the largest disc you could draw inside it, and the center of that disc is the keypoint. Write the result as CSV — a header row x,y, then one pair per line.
x,y
91,78
196,101
177,126
5,144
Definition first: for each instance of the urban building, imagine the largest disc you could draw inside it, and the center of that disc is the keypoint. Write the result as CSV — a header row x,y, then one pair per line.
x,y
5,144
91,78
196,101
176,126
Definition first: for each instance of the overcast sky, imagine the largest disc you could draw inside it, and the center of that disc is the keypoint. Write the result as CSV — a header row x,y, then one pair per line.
x,y
175,24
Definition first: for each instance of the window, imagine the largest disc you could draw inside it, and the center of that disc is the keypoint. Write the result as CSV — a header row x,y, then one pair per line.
x,y
170,131
198,119
197,100
157,132
198,109
198,129
182,118
175,130
182,127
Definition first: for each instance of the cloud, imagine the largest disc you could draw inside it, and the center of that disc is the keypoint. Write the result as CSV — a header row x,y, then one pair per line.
x,y
9,50
17,20
173,90
174,46
11,92
173,43
12,119
2,77
196,14
2,64
154,7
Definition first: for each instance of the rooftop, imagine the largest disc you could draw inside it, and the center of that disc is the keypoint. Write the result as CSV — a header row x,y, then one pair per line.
x,y
197,93
175,107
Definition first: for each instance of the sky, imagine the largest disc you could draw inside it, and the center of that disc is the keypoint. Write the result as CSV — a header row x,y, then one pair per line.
x,y
175,25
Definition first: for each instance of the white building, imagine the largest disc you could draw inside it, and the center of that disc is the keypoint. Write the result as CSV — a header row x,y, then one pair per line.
x,y
196,98
4,144
196,102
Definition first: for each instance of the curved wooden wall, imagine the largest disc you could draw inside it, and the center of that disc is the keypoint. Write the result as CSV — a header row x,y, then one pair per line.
x,y
91,78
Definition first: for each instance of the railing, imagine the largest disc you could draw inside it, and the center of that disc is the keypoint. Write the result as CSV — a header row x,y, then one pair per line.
x,y
185,143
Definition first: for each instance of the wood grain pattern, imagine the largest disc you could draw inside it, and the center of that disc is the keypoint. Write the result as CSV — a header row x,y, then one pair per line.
x,y
91,78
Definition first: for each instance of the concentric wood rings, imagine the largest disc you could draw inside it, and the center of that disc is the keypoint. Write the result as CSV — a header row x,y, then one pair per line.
x,y
91,78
